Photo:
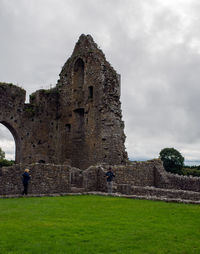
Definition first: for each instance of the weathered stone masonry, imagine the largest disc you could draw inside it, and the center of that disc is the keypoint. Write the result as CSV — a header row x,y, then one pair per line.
x,y
147,179
78,122
69,135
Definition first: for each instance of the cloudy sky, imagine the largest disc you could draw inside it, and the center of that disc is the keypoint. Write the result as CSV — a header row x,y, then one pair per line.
x,y
153,44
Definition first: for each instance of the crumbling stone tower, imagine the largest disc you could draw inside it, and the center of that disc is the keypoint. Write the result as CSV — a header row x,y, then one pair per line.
x,y
77,122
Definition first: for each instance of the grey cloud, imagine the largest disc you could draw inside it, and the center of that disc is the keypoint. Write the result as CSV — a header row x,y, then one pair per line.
x,y
147,42
5,134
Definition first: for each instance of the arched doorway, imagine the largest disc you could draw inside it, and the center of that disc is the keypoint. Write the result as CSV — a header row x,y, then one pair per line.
x,y
9,142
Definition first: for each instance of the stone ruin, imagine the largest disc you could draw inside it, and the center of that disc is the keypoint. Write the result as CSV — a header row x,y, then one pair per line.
x,y
79,122
70,134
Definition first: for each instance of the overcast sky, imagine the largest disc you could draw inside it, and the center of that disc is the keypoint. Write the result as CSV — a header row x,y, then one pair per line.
x,y
153,44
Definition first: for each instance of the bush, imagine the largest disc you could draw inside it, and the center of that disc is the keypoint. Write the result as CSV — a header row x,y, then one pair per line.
x,y
2,154
6,163
192,167
191,171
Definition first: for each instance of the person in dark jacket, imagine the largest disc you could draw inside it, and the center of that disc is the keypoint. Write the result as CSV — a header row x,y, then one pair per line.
x,y
25,180
109,176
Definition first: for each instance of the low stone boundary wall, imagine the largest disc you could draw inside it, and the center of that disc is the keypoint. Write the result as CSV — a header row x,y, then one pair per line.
x,y
137,173
128,189
94,179
50,178
167,180
45,178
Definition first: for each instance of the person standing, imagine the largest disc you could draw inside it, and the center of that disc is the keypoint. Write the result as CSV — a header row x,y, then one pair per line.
x,y
109,179
25,180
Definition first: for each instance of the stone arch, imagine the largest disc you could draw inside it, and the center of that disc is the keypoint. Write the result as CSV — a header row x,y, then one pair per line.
x,y
17,140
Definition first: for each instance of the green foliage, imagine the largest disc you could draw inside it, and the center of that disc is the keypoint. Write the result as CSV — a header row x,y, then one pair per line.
x,y
2,154
10,85
172,159
6,163
192,167
31,109
32,97
3,161
191,171
94,224
50,91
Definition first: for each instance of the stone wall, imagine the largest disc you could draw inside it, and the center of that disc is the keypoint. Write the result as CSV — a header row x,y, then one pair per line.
x,y
11,110
137,173
167,180
46,178
94,179
144,174
148,178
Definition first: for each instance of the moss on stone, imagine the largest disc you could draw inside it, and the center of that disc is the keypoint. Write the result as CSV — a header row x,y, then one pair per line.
x,y
30,109
10,85
32,97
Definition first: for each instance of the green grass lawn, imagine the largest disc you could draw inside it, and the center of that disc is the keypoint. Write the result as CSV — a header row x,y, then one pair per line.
x,y
97,224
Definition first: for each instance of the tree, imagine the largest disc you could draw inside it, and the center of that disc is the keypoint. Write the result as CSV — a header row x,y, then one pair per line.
x,y
2,154
3,161
172,159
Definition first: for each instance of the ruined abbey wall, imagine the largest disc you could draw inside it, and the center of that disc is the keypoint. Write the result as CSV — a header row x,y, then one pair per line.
x,y
147,179
78,122
69,135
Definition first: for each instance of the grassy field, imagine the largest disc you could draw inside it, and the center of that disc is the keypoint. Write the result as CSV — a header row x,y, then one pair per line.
x,y
95,224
